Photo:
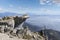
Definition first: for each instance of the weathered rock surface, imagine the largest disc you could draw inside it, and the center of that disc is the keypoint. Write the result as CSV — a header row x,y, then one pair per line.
x,y
6,37
25,34
13,30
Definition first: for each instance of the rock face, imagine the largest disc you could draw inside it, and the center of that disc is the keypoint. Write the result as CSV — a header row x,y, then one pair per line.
x,y
6,37
14,29
25,34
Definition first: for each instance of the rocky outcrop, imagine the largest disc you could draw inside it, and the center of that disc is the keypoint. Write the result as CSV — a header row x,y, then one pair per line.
x,y
14,29
23,34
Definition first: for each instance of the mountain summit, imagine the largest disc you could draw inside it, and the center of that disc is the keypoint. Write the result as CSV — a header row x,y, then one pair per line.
x,y
13,27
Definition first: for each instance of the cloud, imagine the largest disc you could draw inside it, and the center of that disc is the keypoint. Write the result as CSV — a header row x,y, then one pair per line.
x,y
1,9
56,1
45,2
49,2
45,11
42,2
42,11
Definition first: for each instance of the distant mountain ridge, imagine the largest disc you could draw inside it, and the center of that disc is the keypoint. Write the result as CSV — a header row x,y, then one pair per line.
x,y
8,14
52,34
14,14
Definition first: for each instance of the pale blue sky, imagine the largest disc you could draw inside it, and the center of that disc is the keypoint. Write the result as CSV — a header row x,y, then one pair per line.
x,y
30,6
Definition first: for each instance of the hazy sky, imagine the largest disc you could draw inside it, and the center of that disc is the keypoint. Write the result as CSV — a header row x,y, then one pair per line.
x,y
49,7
